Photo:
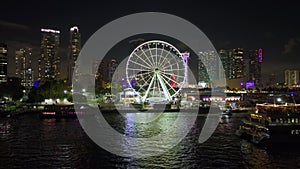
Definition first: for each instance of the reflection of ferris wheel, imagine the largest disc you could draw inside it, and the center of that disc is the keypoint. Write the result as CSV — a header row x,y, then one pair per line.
x,y
156,69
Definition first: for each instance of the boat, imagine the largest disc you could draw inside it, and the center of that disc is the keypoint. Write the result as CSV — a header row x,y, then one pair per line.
x,y
62,111
275,121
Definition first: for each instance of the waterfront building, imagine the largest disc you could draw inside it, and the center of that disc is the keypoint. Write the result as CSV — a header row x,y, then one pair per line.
x,y
207,67
237,63
49,61
254,66
225,57
24,69
291,77
74,50
3,63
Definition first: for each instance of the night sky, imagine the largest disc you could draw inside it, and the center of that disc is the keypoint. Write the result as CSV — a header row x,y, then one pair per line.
x,y
272,26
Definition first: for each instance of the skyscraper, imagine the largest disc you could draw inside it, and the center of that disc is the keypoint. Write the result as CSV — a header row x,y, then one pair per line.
x,y
237,61
112,67
255,60
225,57
49,62
24,70
74,50
3,63
291,77
207,67
273,80
101,69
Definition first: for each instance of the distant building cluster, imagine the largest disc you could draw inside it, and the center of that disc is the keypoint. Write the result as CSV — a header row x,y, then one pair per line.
x,y
105,71
240,68
49,59
232,65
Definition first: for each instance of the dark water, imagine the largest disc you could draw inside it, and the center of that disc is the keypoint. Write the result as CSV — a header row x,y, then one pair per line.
x,y
33,143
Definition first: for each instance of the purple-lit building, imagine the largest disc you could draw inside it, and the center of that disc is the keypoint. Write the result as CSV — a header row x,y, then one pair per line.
x,y
254,69
186,56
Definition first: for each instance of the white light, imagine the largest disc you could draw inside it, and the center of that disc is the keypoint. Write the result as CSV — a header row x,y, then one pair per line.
x,y
50,30
66,100
83,90
74,28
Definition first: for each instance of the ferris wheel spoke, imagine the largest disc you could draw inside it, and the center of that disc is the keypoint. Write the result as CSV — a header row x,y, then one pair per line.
x,y
146,83
176,63
172,74
147,57
169,84
149,87
165,90
159,88
168,65
154,83
140,74
170,79
171,70
146,78
149,68
142,59
165,58
173,57
142,70
151,55
160,56
156,55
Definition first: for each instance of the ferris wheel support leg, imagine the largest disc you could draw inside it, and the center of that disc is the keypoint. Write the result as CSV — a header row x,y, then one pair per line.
x,y
166,92
150,85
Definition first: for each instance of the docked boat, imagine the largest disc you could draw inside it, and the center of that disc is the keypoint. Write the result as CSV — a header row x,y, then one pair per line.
x,y
62,111
276,121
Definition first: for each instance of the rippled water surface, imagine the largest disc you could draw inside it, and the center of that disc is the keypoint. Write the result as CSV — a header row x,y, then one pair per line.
x,y
29,142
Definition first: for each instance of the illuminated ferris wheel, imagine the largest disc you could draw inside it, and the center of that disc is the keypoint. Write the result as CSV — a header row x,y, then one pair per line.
x,y
156,70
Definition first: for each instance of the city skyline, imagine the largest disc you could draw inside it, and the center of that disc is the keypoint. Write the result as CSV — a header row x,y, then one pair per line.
x,y
270,26
244,58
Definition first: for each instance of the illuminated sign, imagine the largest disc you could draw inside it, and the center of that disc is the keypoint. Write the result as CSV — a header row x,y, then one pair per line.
x,y
247,84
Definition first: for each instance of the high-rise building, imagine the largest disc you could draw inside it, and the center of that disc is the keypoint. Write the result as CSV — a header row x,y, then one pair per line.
x,y
3,63
291,77
272,80
207,68
24,69
237,63
49,62
101,70
225,57
74,50
254,63
112,67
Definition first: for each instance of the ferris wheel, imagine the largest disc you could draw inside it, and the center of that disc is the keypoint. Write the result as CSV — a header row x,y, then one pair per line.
x,y
156,70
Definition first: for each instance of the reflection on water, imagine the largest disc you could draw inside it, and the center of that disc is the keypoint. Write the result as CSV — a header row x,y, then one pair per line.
x,y
33,143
